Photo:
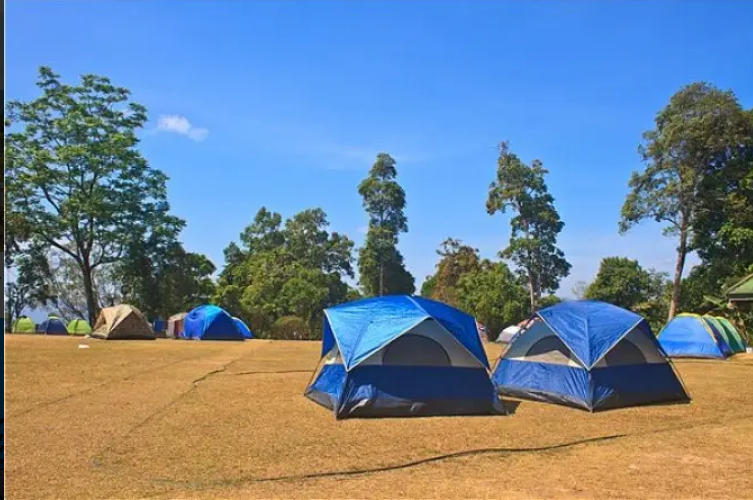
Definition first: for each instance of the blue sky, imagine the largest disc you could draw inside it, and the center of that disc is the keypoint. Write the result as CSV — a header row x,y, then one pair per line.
x,y
285,104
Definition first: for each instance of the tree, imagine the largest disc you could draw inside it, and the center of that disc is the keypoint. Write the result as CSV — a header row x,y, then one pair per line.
x,y
579,289
535,226
66,284
492,294
703,133
284,271
624,283
31,286
380,264
160,277
456,261
81,185
549,300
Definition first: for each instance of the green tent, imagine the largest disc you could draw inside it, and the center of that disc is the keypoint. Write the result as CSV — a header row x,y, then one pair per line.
x,y
737,343
726,335
24,325
79,327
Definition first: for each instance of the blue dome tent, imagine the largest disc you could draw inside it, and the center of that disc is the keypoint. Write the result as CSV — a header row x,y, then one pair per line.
x,y
52,326
245,330
691,336
402,356
588,354
209,322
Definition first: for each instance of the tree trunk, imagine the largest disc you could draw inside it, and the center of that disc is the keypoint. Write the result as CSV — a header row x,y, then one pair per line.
x,y
532,292
381,279
91,302
682,251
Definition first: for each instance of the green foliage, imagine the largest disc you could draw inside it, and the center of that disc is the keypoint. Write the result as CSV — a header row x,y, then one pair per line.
x,y
380,264
492,294
31,287
549,300
295,270
160,278
456,261
290,328
696,157
624,283
535,226
76,179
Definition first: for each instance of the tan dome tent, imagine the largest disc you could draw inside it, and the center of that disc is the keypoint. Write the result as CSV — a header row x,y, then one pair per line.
x,y
122,322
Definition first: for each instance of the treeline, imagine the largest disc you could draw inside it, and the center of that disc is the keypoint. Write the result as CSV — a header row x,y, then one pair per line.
x,y
88,225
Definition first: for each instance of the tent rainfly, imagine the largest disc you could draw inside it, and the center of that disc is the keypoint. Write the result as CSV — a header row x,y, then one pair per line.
x,y
123,322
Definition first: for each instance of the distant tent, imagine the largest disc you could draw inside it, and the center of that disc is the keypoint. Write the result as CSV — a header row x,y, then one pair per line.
x,y
52,326
508,333
123,322
734,339
79,327
692,336
590,355
159,328
209,322
402,355
245,330
23,325
175,326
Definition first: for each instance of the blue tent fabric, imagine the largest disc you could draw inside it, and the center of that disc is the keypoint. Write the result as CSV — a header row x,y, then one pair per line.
x,y
588,327
245,330
591,330
361,328
209,322
52,326
691,336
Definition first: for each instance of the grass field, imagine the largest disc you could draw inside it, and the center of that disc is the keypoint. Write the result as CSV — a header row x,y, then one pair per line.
x,y
173,419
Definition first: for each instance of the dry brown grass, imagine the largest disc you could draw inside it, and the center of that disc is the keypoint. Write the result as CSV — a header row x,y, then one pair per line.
x,y
172,419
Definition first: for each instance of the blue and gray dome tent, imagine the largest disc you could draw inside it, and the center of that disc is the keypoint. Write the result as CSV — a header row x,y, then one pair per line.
x,y
692,336
52,326
209,322
588,354
245,330
401,356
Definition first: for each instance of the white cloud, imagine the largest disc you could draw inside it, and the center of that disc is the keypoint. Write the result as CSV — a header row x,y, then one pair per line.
x,y
178,124
363,229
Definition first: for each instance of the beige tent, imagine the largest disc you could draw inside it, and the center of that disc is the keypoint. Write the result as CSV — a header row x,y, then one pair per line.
x,y
175,325
122,322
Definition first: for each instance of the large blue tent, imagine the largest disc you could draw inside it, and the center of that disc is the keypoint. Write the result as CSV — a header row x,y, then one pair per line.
x,y
691,336
52,326
401,355
209,322
245,330
590,355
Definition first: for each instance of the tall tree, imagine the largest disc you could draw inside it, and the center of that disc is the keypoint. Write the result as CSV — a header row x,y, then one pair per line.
x,y
72,163
380,264
456,261
535,225
702,133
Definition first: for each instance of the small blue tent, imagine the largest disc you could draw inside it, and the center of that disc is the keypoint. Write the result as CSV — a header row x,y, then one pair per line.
x,y
691,336
209,322
588,354
245,330
401,355
52,326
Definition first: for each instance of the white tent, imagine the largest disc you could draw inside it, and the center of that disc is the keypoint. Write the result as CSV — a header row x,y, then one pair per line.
x,y
508,333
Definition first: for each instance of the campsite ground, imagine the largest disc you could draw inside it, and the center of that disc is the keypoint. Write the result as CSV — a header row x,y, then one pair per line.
x,y
171,419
